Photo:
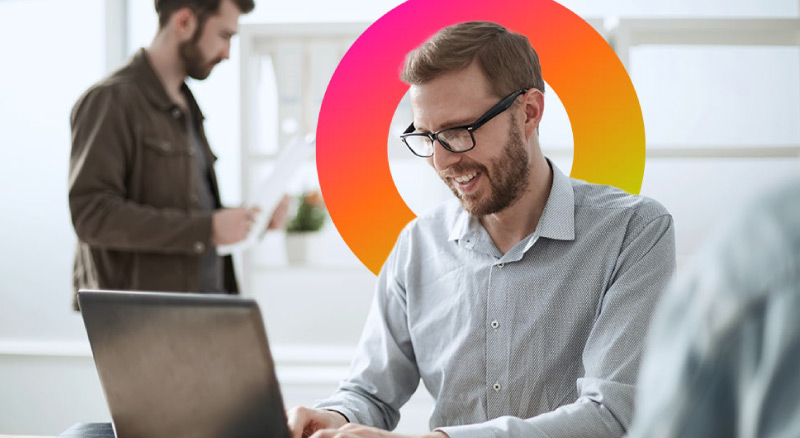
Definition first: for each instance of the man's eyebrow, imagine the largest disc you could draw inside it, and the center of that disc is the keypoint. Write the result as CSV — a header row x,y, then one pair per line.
x,y
456,123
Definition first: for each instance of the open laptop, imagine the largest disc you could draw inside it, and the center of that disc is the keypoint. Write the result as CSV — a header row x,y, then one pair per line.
x,y
183,365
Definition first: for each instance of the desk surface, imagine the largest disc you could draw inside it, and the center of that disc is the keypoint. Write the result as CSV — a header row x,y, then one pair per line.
x,y
25,436
78,430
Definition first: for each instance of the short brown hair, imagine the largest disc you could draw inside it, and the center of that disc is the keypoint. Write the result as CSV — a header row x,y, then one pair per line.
x,y
506,58
201,8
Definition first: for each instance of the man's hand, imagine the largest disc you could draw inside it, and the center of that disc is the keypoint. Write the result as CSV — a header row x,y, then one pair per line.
x,y
352,430
231,225
281,215
304,421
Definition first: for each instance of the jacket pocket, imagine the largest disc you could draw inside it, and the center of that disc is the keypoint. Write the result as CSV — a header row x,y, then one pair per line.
x,y
162,147
166,169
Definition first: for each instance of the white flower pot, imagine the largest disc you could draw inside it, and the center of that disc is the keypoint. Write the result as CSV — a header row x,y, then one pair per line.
x,y
300,247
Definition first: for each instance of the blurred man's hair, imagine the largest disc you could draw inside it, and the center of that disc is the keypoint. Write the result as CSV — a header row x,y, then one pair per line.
x,y
201,8
506,58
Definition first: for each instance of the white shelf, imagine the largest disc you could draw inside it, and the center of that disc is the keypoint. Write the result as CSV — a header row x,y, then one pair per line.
x,y
744,151
631,32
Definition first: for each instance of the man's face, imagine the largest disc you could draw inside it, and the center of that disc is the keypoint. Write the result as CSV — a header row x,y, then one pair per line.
x,y
493,175
211,42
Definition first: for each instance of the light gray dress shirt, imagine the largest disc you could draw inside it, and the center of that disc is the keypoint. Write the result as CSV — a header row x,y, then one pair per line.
x,y
543,341
723,356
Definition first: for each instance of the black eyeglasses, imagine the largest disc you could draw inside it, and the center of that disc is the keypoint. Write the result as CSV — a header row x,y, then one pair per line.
x,y
457,139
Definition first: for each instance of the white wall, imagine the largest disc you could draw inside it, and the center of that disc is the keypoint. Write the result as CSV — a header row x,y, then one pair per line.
x,y
40,79
52,50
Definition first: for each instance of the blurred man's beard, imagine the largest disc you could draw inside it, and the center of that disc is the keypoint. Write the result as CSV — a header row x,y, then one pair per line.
x,y
507,180
192,58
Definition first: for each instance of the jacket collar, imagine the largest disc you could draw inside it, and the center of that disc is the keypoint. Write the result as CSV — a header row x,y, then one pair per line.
x,y
152,87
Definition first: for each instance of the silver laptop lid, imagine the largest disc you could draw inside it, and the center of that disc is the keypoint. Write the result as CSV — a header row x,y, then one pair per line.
x,y
183,365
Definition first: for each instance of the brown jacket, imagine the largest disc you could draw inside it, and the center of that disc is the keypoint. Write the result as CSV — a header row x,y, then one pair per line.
x,y
132,187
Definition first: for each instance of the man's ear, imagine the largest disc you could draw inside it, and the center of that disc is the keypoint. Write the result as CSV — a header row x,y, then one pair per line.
x,y
183,23
533,103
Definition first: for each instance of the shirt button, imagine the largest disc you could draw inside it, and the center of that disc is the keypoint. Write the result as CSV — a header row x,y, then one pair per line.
x,y
199,247
496,387
500,265
192,150
495,324
176,113
194,199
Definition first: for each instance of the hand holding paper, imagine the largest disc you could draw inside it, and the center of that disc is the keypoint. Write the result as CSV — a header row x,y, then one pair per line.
x,y
231,225
271,196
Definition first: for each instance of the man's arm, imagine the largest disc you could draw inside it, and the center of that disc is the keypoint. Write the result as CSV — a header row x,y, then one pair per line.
x,y
353,430
384,374
102,213
611,356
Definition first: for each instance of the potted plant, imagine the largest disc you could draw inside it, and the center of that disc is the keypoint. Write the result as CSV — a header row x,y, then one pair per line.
x,y
308,219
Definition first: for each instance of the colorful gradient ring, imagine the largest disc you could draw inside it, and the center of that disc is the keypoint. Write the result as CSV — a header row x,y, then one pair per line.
x,y
363,94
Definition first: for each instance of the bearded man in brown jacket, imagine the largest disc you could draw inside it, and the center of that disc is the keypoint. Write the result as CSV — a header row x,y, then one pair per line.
x,y
142,189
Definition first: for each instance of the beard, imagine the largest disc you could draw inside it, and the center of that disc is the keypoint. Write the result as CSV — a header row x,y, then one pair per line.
x,y
196,65
508,178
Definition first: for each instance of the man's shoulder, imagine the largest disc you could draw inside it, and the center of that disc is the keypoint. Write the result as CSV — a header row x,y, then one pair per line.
x,y
442,216
599,199
432,225
429,232
121,79
118,85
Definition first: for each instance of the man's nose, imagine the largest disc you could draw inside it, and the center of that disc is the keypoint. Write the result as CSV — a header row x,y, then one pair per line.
x,y
227,51
442,157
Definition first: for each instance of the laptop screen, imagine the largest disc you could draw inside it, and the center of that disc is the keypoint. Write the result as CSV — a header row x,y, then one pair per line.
x,y
190,365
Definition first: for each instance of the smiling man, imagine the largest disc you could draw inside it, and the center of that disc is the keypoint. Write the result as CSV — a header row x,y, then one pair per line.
x,y
522,304
142,189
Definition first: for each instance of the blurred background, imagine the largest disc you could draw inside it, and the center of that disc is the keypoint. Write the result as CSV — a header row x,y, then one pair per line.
x,y
718,82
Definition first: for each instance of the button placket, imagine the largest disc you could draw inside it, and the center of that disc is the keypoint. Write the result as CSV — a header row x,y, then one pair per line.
x,y
497,345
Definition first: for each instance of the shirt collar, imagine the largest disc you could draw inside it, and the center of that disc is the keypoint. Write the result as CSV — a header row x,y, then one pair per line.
x,y
558,217
461,226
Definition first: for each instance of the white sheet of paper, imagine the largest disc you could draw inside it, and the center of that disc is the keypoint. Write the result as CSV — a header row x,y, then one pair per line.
x,y
272,191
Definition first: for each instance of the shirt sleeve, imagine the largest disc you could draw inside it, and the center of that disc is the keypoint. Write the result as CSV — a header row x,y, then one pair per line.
x,y
611,356
384,374
103,214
